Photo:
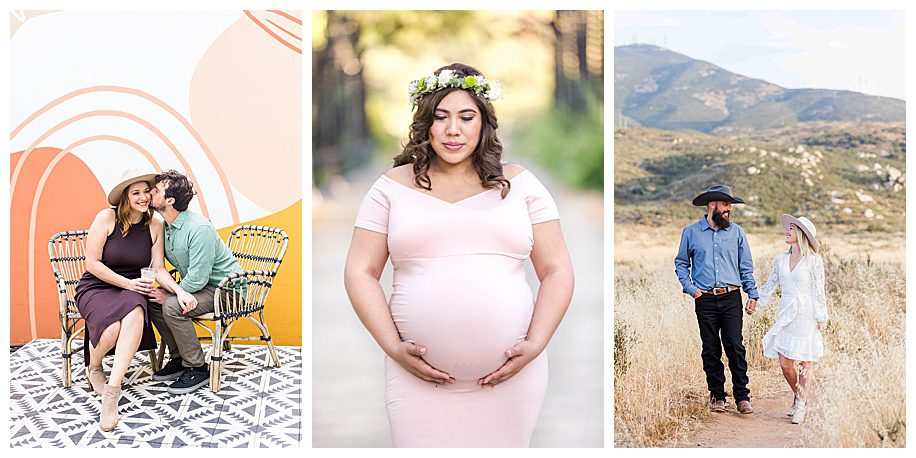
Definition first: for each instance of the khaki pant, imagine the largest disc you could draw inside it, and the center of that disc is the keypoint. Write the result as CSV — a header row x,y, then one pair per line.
x,y
176,328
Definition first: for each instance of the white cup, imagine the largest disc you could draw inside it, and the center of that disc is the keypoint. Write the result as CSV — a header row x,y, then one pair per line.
x,y
148,272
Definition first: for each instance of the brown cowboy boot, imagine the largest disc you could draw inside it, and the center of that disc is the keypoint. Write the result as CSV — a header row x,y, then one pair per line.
x,y
716,405
109,417
96,377
744,407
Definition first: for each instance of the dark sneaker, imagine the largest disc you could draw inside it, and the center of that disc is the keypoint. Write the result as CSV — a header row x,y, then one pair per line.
x,y
191,379
171,371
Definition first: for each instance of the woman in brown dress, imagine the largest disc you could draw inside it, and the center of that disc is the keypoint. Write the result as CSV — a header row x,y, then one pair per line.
x,y
111,296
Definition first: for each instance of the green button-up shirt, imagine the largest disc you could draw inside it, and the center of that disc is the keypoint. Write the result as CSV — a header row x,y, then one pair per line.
x,y
193,246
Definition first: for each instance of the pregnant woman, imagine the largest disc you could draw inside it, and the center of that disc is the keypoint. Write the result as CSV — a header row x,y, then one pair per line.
x,y
801,314
463,335
111,296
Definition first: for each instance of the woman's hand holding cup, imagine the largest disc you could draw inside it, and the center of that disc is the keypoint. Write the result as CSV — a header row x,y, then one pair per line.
x,y
141,285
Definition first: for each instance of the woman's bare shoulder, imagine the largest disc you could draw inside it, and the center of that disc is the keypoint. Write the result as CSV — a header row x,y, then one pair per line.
x,y
402,174
105,215
155,224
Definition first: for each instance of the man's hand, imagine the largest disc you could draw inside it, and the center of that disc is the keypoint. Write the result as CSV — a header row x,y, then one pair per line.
x,y
519,355
188,302
699,293
751,306
158,295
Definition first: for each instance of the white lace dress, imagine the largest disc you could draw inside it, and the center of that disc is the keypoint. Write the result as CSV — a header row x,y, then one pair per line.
x,y
802,305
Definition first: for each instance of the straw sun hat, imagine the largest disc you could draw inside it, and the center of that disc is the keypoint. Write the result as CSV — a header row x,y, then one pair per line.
x,y
129,177
805,225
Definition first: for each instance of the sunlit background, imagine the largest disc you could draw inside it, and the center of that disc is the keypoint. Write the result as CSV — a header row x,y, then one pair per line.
x,y
550,65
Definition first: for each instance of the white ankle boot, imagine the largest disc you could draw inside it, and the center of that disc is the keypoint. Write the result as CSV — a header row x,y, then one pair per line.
x,y
795,401
799,416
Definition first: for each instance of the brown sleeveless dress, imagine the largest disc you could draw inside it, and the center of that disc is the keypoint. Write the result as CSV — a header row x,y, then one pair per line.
x,y
100,303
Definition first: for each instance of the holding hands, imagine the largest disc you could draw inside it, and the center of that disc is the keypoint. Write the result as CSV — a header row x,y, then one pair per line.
x,y
751,306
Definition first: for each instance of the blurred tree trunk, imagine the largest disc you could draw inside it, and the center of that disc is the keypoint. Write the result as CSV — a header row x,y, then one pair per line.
x,y
340,129
579,58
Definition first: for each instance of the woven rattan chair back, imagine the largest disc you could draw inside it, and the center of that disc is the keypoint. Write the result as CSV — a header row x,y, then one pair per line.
x,y
259,251
67,251
258,247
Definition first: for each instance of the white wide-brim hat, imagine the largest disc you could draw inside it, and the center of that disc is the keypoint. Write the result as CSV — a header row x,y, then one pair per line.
x,y
805,225
129,177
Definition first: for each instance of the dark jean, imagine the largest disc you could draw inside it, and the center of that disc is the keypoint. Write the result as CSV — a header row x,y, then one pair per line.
x,y
723,314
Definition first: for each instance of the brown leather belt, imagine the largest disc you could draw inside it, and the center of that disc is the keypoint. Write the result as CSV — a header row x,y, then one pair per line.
x,y
720,291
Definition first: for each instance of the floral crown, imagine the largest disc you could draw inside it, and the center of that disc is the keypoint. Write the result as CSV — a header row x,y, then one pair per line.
x,y
490,90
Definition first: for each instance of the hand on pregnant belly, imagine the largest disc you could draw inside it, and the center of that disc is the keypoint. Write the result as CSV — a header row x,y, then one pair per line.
x,y
410,357
519,356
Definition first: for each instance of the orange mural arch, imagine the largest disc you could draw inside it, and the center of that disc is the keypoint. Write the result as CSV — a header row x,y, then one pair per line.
x,y
114,113
59,208
158,102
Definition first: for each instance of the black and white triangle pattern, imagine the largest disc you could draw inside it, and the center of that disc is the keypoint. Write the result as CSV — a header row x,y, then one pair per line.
x,y
258,405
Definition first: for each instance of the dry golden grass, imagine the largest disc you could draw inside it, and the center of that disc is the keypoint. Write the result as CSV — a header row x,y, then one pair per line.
x,y
659,385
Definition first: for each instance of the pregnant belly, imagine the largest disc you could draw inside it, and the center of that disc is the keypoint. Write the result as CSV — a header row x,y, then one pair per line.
x,y
466,310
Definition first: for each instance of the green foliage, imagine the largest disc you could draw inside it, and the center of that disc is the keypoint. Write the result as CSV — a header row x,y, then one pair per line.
x,y
861,188
571,145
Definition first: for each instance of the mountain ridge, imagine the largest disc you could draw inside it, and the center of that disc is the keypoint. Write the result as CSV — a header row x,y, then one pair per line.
x,y
658,88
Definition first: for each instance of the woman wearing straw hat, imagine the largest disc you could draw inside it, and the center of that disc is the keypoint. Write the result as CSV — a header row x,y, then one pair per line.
x,y
111,295
802,311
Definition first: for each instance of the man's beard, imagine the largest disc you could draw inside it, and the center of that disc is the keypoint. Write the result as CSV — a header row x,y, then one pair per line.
x,y
159,209
720,219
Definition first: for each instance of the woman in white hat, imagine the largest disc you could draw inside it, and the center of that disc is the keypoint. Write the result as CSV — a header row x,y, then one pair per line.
x,y
802,311
111,295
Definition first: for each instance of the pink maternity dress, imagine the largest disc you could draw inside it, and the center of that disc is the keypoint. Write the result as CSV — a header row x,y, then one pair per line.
x,y
459,289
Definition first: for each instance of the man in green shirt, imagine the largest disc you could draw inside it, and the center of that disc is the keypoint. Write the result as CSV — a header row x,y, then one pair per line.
x,y
196,250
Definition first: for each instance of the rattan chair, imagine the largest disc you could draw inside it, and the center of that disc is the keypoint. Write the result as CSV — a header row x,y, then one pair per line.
x,y
67,251
259,251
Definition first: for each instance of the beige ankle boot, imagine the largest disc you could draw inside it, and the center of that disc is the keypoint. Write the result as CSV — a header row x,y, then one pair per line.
x,y
109,417
97,379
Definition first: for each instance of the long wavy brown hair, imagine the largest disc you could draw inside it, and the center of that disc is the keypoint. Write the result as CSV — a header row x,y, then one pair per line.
x,y
122,213
486,158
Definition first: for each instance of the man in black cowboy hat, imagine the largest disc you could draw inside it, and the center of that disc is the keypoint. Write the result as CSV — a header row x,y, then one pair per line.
x,y
713,262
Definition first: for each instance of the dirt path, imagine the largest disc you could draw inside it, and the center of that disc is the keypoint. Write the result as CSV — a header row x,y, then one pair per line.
x,y
768,426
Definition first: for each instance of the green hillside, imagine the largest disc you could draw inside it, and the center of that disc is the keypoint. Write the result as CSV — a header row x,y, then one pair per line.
x,y
847,174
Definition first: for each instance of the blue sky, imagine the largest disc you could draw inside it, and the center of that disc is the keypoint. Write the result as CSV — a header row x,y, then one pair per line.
x,y
854,50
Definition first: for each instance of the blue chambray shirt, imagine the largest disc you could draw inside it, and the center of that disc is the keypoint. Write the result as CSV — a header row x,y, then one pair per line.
x,y
710,258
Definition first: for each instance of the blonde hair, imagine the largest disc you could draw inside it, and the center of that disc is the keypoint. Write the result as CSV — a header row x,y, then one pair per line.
x,y
122,213
804,246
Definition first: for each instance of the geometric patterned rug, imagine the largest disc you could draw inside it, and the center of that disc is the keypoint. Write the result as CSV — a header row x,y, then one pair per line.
x,y
258,405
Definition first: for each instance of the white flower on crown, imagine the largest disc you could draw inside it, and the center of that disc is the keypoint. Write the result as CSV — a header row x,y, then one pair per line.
x,y
445,76
495,92
430,82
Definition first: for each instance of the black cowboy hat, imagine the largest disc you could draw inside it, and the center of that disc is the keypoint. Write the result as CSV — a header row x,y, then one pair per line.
x,y
716,192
